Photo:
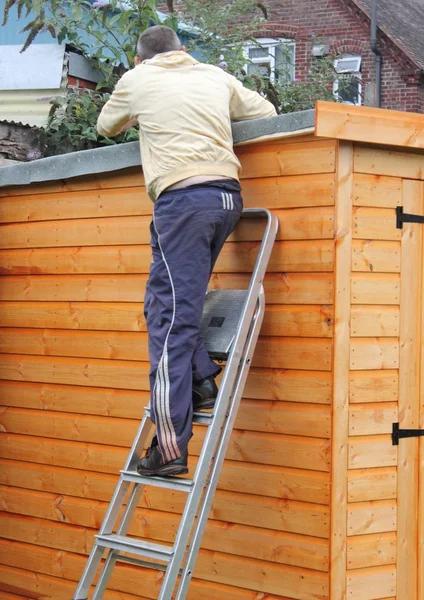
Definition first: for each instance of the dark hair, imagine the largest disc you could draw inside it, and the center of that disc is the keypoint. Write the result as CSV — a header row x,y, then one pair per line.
x,y
156,40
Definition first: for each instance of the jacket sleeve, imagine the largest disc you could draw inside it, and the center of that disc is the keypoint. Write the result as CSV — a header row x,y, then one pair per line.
x,y
116,112
246,104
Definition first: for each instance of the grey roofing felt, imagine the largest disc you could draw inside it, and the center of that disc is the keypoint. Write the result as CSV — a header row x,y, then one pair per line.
x,y
121,156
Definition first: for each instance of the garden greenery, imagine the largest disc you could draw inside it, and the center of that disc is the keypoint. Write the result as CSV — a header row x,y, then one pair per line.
x,y
106,32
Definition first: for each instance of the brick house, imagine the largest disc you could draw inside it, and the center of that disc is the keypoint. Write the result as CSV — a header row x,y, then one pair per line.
x,y
314,28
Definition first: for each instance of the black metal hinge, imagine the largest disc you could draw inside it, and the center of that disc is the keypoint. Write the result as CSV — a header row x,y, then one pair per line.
x,y
402,218
404,433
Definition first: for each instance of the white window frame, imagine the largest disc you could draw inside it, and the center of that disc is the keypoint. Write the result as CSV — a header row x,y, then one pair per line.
x,y
270,44
338,65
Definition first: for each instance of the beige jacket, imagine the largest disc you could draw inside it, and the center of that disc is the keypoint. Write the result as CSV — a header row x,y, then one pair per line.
x,y
184,109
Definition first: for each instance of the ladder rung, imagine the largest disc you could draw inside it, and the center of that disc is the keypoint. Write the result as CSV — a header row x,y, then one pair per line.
x,y
133,546
198,417
204,418
171,483
141,563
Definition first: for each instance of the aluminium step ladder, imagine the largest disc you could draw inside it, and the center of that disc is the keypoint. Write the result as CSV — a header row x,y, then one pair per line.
x,y
230,327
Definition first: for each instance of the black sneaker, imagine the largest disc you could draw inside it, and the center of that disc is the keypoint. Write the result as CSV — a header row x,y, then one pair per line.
x,y
204,393
152,463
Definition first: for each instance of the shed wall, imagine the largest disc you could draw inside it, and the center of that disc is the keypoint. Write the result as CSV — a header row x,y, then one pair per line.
x,y
383,501
74,380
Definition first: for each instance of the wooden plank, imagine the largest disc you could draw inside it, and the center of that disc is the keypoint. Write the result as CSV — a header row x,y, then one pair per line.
x,y
375,161
371,517
374,190
7,596
290,386
266,384
372,451
119,202
409,391
371,550
296,321
52,342
420,527
128,177
280,288
343,258
45,562
375,224
295,353
111,231
375,288
299,224
69,398
378,321
277,490
239,540
372,584
372,418
254,415
290,192
373,386
374,353
98,316
127,578
284,288
376,256
372,484
53,588
41,586
131,375
280,450
284,417
293,256
369,124
312,223
300,158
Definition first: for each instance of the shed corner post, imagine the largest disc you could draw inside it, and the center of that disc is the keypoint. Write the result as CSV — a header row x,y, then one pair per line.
x,y
341,352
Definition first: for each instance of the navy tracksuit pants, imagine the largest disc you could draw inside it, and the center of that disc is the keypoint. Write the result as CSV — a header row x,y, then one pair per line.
x,y
188,230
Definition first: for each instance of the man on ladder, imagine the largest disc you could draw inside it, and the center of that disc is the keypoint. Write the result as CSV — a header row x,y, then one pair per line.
x,y
184,111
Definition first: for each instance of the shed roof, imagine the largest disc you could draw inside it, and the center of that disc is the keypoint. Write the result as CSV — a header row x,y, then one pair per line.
x,y
330,120
121,156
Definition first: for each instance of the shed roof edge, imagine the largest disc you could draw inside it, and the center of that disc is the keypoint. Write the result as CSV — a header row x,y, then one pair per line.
x,y
122,156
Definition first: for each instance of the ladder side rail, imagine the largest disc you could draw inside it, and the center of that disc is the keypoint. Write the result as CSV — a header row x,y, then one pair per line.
x,y
110,517
96,553
226,389
220,453
113,555
139,442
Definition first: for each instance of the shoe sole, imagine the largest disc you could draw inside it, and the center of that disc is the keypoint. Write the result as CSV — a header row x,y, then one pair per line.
x,y
165,471
204,405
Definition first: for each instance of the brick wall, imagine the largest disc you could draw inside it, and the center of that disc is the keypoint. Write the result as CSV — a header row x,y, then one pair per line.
x,y
342,25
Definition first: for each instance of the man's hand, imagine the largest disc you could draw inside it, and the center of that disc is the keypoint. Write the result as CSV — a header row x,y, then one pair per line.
x,y
132,123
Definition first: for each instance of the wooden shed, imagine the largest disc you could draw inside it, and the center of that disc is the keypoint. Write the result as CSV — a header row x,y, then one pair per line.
x,y
314,501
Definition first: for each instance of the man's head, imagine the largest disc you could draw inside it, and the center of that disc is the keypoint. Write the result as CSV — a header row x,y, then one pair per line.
x,y
156,40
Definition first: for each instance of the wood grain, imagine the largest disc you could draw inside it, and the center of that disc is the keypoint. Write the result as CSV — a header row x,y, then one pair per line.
x,y
369,124
375,288
340,402
372,484
371,517
376,256
375,190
